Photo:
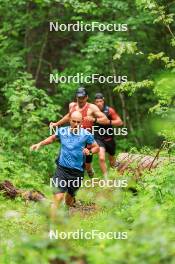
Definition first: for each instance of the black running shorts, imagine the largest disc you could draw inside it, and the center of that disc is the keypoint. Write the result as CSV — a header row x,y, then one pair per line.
x,y
108,144
67,180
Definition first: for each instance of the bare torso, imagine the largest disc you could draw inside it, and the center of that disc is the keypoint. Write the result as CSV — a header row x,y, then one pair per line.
x,y
91,109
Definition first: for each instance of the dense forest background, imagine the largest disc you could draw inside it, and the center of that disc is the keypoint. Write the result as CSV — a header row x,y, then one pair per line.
x,y
29,53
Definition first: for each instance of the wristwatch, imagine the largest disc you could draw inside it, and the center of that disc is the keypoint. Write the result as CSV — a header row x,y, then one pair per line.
x,y
90,153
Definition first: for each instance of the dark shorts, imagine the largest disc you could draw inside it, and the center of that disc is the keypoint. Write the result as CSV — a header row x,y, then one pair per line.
x,y
108,144
67,180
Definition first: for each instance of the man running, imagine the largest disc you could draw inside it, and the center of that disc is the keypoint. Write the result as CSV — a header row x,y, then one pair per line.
x,y
90,113
70,162
106,141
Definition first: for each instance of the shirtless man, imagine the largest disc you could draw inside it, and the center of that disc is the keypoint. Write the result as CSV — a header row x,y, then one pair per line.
x,y
91,114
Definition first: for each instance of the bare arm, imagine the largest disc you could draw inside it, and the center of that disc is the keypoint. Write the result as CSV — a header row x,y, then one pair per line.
x,y
94,148
46,141
63,120
117,122
97,116
115,118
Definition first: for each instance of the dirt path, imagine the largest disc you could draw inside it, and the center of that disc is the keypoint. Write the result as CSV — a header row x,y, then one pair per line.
x,y
82,208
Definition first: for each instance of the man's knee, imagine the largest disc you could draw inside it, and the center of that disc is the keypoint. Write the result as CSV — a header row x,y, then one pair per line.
x,y
102,158
58,197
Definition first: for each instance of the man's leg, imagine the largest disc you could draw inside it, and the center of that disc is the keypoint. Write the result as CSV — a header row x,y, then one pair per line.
x,y
111,149
69,199
112,160
102,162
88,166
57,198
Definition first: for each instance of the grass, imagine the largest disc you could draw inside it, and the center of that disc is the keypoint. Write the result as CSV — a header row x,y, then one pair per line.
x,y
147,219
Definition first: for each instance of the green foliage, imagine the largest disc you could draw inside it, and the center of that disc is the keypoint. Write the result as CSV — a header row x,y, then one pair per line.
x,y
132,87
169,63
158,10
27,105
164,87
28,53
148,218
26,121
124,48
